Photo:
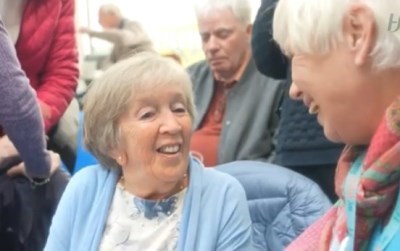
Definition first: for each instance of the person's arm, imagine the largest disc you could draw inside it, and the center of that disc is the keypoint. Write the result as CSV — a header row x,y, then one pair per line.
x,y
19,112
269,59
111,35
60,73
235,231
132,35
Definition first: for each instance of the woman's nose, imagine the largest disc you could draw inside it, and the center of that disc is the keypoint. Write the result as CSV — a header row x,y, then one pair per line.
x,y
294,92
170,124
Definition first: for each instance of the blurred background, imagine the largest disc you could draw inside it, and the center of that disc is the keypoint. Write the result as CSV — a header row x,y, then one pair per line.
x,y
171,25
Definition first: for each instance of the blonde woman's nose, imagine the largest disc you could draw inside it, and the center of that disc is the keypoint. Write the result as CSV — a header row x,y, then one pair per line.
x,y
294,92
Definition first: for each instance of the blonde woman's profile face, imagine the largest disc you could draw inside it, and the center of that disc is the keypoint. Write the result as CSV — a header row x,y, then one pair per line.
x,y
341,85
337,93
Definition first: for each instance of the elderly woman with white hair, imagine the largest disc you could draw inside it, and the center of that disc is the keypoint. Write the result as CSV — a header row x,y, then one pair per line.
x,y
148,193
346,68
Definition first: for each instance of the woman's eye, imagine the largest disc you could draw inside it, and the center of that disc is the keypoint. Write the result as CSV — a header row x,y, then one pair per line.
x,y
146,115
180,108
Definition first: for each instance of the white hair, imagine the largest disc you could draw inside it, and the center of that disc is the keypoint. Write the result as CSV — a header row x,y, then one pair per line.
x,y
111,9
315,26
240,8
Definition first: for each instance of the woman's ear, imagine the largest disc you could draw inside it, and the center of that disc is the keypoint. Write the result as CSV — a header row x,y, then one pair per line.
x,y
119,157
359,28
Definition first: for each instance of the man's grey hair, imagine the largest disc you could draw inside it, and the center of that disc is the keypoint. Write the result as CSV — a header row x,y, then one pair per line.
x,y
240,8
110,96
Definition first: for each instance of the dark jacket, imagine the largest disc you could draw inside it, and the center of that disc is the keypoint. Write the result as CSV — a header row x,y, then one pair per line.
x,y
300,139
26,212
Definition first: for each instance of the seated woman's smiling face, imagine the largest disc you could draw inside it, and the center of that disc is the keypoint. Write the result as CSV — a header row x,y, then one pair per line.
x,y
155,135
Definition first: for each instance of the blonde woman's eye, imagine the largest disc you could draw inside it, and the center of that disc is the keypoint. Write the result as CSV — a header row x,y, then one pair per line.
x,y
179,108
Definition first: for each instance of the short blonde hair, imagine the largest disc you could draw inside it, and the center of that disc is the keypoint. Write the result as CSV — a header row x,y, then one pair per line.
x,y
240,8
108,98
315,26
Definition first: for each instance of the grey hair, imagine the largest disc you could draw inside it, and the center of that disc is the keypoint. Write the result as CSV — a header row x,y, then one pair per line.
x,y
315,27
111,9
110,96
240,8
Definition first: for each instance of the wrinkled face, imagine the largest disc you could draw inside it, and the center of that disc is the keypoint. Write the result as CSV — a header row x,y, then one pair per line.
x,y
339,94
156,133
225,41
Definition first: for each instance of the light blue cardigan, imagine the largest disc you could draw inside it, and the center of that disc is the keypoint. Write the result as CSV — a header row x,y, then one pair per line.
x,y
215,214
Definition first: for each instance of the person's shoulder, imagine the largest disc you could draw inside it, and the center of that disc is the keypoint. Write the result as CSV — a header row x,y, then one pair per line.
x,y
90,176
200,73
255,74
128,22
96,169
221,190
270,81
276,83
133,26
216,179
198,67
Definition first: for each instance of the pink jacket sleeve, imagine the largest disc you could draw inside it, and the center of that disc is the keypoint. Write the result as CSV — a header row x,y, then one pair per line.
x,y
60,73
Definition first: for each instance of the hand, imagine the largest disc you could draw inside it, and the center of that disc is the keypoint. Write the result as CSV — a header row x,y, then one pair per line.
x,y
20,168
84,30
8,153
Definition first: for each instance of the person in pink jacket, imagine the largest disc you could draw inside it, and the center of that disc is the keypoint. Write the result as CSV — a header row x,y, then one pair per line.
x,y
43,32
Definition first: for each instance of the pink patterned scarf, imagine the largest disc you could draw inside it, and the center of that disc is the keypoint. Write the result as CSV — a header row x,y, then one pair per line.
x,y
376,192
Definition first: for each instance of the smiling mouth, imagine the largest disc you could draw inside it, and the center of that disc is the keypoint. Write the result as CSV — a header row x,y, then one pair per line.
x,y
170,149
313,108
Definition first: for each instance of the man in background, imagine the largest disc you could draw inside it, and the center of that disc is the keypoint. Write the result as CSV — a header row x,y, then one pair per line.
x,y
236,105
127,36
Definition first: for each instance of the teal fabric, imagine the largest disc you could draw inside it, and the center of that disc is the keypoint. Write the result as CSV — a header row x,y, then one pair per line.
x,y
215,214
394,244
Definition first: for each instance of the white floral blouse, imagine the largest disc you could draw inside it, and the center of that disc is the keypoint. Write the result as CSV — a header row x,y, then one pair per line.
x,y
137,224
